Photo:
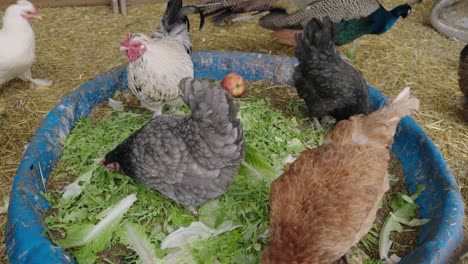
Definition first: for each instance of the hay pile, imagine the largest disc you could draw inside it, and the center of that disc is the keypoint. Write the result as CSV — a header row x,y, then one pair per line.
x,y
76,44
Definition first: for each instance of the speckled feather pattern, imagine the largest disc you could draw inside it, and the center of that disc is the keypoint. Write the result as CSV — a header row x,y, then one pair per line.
x,y
337,10
295,12
328,198
189,159
155,76
328,84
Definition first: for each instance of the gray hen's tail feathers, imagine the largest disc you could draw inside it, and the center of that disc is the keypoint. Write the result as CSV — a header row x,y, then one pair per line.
x,y
208,102
214,119
317,37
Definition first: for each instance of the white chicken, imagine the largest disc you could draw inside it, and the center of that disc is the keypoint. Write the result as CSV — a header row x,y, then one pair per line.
x,y
157,64
17,44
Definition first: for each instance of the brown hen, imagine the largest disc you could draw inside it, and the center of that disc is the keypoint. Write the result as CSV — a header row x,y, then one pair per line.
x,y
328,198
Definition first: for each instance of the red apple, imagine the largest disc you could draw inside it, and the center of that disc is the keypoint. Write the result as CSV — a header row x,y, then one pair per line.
x,y
234,84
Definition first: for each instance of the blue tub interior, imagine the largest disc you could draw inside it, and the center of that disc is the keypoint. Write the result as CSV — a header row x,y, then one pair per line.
x,y
26,235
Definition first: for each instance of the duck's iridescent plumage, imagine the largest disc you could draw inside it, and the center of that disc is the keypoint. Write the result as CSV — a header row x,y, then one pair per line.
x,y
352,18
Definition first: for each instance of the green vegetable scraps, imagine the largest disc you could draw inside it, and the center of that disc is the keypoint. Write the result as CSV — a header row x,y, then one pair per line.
x,y
230,229
404,209
101,210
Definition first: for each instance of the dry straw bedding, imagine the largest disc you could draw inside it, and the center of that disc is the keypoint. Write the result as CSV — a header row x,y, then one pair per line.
x,y
76,44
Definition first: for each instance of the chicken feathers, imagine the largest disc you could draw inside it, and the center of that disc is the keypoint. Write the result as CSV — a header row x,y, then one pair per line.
x,y
17,44
463,81
157,64
328,198
176,25
189,159
353,18
328,84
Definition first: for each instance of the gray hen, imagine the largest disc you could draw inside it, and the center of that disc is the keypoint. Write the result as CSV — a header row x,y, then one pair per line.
x,y
189,159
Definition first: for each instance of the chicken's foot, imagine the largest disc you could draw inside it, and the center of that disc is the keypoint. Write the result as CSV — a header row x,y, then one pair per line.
x,y
317,125
38,84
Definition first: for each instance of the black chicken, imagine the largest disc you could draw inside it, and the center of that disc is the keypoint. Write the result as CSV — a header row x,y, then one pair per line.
x,y
328,84
189,159
463,81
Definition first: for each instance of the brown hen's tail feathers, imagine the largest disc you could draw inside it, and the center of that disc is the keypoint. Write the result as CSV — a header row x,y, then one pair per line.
x,y
400,107
377,128
391,113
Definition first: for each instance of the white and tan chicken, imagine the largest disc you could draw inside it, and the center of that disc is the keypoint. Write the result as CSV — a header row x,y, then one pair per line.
x,y
17,44
157,64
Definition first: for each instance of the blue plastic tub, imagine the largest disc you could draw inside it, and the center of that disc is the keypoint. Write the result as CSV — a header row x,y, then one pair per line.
x,y
26,235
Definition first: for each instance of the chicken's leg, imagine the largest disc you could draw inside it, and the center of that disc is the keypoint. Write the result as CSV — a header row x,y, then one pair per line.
x,y
175,105
38,84
317,125
158,112
155,106
326,120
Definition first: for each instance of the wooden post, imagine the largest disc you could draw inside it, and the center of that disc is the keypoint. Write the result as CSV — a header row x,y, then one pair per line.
x,y
123,7
115,7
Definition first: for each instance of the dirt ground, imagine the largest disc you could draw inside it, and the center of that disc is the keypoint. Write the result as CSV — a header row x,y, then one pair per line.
x,y
75,44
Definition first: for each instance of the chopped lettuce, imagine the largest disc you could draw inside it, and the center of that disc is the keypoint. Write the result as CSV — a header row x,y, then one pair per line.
x,y
75,188
88,232
184,236
243,209
139,242
404,209
116,105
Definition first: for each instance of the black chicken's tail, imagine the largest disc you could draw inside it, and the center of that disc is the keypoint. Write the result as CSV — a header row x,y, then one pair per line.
x,y
214,111
174,17
463,81
318,37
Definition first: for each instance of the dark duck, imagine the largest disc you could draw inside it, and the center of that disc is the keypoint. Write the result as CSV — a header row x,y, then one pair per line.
x,y
352,18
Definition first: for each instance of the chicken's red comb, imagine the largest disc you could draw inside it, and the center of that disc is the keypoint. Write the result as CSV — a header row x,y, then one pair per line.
x,y
126,42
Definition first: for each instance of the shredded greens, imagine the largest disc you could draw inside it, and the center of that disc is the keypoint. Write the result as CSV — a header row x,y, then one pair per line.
x,y
230,229
270,137
404,210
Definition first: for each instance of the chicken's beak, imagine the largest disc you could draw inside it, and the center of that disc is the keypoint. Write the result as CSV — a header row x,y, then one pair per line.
x,y
36,14
122,48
